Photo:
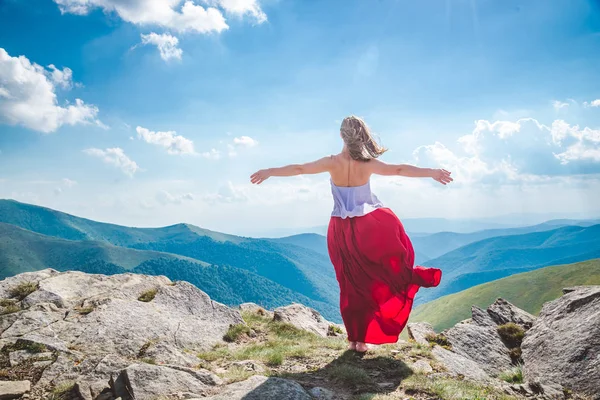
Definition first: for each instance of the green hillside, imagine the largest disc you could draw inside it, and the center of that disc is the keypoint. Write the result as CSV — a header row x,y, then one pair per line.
x,y
299,269
503,256
529,291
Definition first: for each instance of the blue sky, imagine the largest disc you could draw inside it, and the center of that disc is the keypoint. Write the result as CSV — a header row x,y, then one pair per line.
x,y
181,101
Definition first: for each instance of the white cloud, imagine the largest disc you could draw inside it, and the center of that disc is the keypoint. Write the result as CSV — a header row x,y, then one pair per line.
x,y
593,103
163,13
241,8
68,182
28,96
213,154
165,198
558,105
166,44
245,141
228,193
175,144
116,157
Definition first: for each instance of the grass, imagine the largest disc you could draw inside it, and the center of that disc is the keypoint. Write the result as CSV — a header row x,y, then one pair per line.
x,y
62,392
148,295
22,344
349,375
512,334
10,309
440,340
236,332
528,291
449,389
22,290
334,330
84,310
236,373
514,375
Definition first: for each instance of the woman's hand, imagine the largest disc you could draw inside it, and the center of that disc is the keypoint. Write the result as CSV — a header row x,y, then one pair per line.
x,y
442,176
260,176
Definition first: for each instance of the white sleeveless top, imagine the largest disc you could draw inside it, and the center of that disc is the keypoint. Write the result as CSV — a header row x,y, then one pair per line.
x,y
353,201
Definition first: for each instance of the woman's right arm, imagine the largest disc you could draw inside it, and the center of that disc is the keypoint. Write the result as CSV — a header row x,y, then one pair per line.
x,y
380,168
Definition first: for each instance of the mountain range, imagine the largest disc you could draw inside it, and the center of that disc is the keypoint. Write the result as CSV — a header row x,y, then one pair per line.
x,y
275,271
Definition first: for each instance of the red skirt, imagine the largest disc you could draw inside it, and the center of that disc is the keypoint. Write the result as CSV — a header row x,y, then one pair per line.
x,y
374,265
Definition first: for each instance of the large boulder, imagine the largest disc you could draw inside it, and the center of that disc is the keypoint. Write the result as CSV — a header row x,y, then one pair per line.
x,y
418,331
13,390
97,329
563,345
457,365
478,340
303,317
262,388
503,312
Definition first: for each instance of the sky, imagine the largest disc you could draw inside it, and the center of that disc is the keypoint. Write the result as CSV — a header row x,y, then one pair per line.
x,y
156,112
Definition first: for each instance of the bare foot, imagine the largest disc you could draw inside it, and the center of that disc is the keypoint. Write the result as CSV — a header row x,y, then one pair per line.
x,y
362,347
352,346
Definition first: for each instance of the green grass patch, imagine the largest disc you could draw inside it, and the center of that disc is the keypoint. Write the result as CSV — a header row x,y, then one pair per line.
x,y
62,392
512,334
148,360
449,389
236,373
514,375
439,339
22,344
85,310
22,290
10,309
349,375
148,295
236,332
334,330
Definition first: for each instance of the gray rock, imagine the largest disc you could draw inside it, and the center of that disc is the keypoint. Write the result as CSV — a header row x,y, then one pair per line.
x,y
166,353
480,342
145,381
421,367
7,284
262,388
13,389
563,346
536,390
503,312
418,331
249,365
303,317
319,393
19,356
457,365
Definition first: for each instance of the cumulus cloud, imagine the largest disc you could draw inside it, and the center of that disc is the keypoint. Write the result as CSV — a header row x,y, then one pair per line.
x,y
28,96
167,45
170,14
593,103
516,152
238,142
174,144
227,193
116,157
166,198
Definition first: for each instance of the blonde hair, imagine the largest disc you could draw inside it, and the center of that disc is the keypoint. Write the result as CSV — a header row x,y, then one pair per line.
x,y
359,141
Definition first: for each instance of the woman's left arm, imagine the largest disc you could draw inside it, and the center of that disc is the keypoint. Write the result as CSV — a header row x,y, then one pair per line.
x,y
315,167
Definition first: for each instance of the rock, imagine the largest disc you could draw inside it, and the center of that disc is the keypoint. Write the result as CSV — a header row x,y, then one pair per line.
x,y
480,342
536,390
563,345
249,365
262,388
17,357
7,284
304,318
318,393
418,331
166,353
421,367
255,308
13,389
458,365
146,381
503,312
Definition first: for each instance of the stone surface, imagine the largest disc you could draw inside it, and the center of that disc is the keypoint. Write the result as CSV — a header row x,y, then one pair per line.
x,y
479,341
502,312
319,393
536,390
458,365
249,365
147,382
14,389
421,367
303,317
563,346
418,331
262,388
19,356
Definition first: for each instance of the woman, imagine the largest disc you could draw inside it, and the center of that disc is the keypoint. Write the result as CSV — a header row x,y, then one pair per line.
x,y
372,255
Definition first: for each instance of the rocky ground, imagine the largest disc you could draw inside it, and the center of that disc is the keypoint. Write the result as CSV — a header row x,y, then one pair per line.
x,y
78,336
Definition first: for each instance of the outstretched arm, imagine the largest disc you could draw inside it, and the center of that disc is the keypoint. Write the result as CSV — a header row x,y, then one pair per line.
x,y
315,167
381,168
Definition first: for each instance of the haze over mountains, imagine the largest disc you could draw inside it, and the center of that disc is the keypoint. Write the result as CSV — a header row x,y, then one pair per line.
x,y
272,272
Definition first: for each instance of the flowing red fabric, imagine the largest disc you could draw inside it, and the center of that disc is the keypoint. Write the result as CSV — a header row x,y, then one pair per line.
x,y
374,265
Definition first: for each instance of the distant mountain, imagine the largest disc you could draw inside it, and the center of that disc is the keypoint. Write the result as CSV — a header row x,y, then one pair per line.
x,y
502,256
528,290
301,270
432,246
312,241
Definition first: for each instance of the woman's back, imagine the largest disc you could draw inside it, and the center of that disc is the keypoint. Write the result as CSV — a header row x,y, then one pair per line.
x,y
347,172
